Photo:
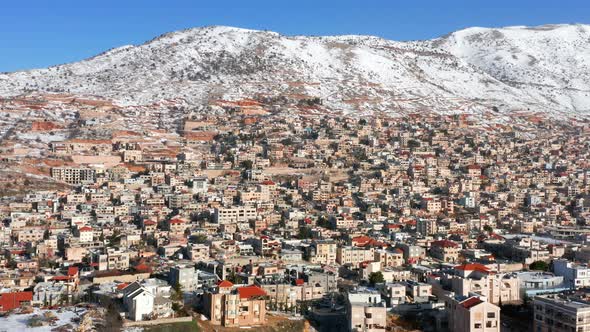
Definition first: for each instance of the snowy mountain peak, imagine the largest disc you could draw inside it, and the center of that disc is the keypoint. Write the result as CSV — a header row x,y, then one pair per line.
x,y
538,69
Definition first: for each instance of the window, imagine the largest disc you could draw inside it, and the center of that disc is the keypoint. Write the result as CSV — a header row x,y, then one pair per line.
x,y
491,315
477,325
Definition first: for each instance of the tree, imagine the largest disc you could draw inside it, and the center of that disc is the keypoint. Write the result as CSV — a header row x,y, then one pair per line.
x,y
376,278
539,266
247,164
199,238
488,228
177,294
413,143
305,233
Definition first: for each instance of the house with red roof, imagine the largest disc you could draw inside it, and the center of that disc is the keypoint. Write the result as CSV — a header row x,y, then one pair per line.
x,y
86,234
445,250
472,314
236,307
475,278
177,225
10,301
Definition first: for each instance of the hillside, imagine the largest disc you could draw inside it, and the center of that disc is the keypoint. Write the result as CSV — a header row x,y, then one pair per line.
x,y
541,69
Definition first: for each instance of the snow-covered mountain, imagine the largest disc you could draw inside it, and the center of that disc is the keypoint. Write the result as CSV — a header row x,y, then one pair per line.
x,y
540,69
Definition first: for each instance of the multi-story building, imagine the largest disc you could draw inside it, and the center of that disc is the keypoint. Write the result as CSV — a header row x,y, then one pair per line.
x,y
74,175
574,275
445,250
472,314
389,258
234,307
354,255
426,226
111,259
366,311
236,214
323,252
197,252
184,276
557,313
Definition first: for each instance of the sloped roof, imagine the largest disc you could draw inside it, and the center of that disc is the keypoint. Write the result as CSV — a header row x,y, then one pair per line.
x,y
225,284
471,302
472,267
445,244
250,291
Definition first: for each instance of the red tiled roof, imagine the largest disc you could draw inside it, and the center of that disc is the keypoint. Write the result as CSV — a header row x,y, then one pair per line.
x,y
86,229
471,302
142,268
299,282
72,270
361,239
9,301
122,286
472,267
225,284
250,291
445,244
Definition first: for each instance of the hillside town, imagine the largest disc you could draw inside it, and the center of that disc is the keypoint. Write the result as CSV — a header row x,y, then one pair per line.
x,y
279,213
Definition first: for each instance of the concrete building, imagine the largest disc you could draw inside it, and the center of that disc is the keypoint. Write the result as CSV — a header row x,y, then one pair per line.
x,y
354,255
426,226
445,250
574,275
472,314
366,311
111,259
237,214
557,313
74,175
236,307
183,276
323,252
138,301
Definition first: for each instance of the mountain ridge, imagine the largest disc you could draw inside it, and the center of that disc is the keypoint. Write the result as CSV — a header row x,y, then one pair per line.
x,y
538,69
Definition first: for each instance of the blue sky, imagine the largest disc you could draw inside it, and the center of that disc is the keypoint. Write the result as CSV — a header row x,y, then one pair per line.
x,y
41,33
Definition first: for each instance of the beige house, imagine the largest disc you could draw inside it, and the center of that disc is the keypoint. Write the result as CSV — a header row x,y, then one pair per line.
x,y
473,314
325,252
389,258
236,307
354,255
445,250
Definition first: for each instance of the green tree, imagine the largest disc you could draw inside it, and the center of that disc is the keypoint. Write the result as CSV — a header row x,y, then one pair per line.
x,y
376,278
177,294
247,164
305,233
412,143
539,266
488,228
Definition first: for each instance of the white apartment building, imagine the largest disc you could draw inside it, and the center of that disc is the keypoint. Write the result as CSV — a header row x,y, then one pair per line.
x,y
574,275
560,314
237,214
